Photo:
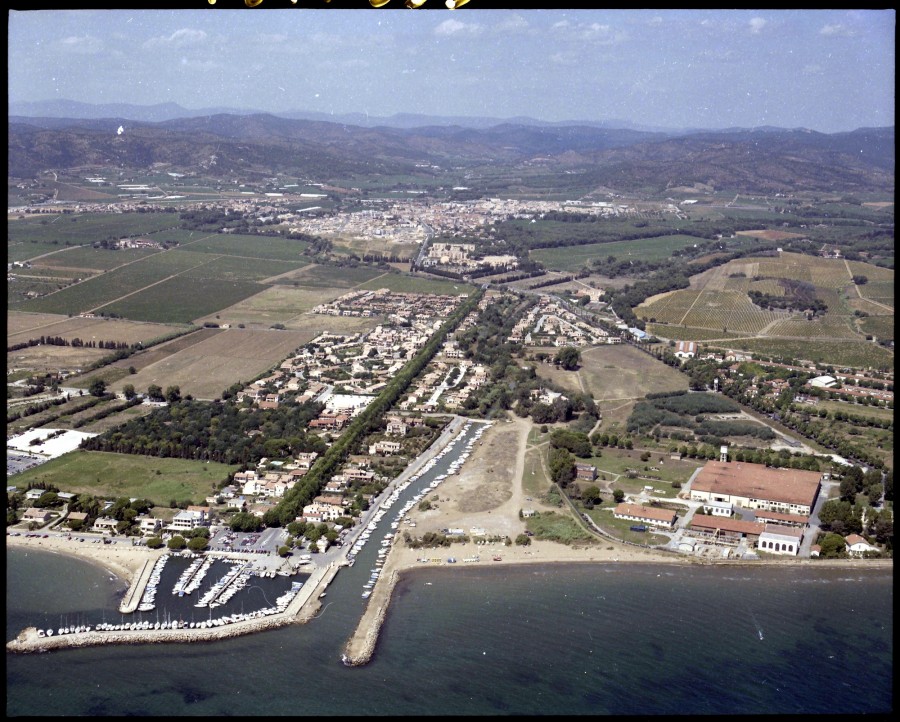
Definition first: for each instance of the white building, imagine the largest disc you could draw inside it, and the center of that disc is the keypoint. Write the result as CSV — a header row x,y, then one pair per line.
x,y
777,539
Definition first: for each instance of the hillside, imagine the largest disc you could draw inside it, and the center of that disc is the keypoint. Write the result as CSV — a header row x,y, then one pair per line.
x,y
761,160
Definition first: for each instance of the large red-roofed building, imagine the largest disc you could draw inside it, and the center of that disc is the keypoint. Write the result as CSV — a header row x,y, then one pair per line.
x,y
755,486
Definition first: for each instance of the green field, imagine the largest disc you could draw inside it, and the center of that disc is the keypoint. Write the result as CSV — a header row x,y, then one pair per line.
x,y
336,277
853,354
573,258
400,283
183,299
99,259
283,249
102,473
87,228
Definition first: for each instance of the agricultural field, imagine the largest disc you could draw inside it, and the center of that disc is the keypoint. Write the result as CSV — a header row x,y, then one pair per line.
x,y
712,310
881,327
81,229
574,258
682,333
113,420
106,288
101,473
87,258
400,283
23,326
616,373
380,246
206,368
717,307
244,246
852,354
326,277
276,304
50,359
830,326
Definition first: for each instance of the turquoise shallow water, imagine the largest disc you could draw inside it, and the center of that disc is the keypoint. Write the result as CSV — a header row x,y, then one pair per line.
x,y
568,639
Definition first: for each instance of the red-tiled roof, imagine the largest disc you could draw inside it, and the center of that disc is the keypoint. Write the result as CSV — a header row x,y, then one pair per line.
x,y
756,481
646,512
724,524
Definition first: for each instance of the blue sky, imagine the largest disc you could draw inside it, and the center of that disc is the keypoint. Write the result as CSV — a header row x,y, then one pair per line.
x,y
828,70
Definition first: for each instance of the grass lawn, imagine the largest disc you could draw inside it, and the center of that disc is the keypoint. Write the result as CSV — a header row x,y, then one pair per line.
x,y
104,473
534,479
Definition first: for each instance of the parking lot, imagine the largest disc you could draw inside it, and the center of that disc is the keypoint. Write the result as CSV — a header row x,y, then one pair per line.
x,y
17,462
264,542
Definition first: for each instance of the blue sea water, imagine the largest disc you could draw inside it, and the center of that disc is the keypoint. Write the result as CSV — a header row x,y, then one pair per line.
x,y
561,639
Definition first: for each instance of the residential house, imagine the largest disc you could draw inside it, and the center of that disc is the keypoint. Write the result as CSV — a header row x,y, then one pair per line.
x,y
858,546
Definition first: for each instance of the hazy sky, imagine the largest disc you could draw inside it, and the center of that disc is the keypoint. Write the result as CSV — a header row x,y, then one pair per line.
x,y
829,70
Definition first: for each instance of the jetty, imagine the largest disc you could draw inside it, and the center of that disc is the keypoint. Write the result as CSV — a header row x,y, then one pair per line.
x,y
304,607
132,598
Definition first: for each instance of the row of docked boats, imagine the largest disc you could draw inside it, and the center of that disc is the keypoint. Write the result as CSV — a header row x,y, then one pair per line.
x,y
395,496
219,593
148,600
192,577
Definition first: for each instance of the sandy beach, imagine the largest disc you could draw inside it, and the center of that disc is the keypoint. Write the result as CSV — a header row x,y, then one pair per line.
x,y
123,560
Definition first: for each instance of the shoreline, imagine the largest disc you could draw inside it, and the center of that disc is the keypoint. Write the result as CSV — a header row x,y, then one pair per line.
x,y
126,563
121,560
402,560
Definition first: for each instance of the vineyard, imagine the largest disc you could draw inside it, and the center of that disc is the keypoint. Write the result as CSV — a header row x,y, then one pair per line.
x,y
729,310
830,326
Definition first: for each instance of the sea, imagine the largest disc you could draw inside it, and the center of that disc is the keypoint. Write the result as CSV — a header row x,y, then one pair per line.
x,y
561,639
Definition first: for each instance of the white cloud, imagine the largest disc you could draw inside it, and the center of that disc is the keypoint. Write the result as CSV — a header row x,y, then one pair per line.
x,y
839,30
82,45
563,59
178,39
455,27
598,33
513,23
201,65
757,24
812,69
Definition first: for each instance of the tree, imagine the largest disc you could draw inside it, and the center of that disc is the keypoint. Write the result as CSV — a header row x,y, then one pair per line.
x,y
618,496
283,551
128,390
197,544
173,394
97,387
155,393
177,543
523,540
592,494
568,358
833,545
154,542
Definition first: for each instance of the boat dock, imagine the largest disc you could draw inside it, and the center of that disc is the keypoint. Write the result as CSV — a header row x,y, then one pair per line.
x,y
133,596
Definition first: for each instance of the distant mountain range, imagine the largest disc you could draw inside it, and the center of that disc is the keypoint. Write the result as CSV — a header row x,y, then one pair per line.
x,y
172,111
228,144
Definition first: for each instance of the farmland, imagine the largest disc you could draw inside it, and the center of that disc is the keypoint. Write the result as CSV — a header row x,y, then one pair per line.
x,y
81,229
206,368
106,474
334,276
717,307
573,258
615,374
399,283
287,306
23,326
273,248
